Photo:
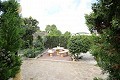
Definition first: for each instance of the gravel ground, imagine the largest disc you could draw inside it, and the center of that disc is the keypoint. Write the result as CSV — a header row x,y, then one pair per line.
x,y
42,69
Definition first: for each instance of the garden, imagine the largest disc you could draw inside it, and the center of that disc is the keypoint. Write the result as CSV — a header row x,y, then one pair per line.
x,y
22,41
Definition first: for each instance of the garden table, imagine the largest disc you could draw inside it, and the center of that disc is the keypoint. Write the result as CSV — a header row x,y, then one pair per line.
x,y
58,49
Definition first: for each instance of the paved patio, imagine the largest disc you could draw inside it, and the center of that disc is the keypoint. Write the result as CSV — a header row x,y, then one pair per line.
x,y
46,56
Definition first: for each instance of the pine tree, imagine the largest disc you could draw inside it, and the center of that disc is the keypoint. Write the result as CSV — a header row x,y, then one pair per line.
x,y
10,39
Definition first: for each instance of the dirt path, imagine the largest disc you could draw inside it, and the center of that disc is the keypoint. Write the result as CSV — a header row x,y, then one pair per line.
x,y
59,70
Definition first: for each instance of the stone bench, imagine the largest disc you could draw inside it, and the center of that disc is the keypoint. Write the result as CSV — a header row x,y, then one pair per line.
x,y
64,52
50,52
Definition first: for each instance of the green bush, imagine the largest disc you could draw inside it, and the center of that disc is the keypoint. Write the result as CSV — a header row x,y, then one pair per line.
x,y
105,20
30,27
63,41
10,39
30,53
37,48
9,64
38,45
78,44
53,41
94,49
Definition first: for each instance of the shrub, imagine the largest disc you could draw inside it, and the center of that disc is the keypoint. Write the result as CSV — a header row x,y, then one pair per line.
x,y
105,20
29,53
38,44
53,41
32,52
10,39
37,48
78,44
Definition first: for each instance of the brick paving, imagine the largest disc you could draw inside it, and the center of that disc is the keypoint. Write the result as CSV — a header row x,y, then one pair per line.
x,y
55,57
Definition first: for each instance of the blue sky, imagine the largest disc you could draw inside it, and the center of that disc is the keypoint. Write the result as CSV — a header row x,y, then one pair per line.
x,y
67,15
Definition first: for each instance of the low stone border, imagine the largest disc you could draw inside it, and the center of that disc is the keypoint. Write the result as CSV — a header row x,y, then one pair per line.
x,y
44,51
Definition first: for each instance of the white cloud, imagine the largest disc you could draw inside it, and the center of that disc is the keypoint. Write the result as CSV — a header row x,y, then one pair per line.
x,y
67,15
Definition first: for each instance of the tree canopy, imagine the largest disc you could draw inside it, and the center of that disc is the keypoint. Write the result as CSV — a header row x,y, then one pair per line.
x,y
52,30
78,44
30,26
105,19
67,34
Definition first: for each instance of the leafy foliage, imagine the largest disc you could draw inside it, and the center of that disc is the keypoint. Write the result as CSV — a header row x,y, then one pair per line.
x,y
30,26
53,41
52,30
78,44
55,37
106,20
38,44
66,37
10,39
90,22
37,48
67,34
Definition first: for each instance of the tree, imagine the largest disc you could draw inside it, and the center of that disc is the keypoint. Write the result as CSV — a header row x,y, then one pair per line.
x,y
106,20
55,33
10,39
47,29
30,26
65,39
78,44
38,44
51,41
67,34
90,22
52,30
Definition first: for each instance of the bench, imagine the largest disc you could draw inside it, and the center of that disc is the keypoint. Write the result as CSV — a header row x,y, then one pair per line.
x,y
50,52
64,52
